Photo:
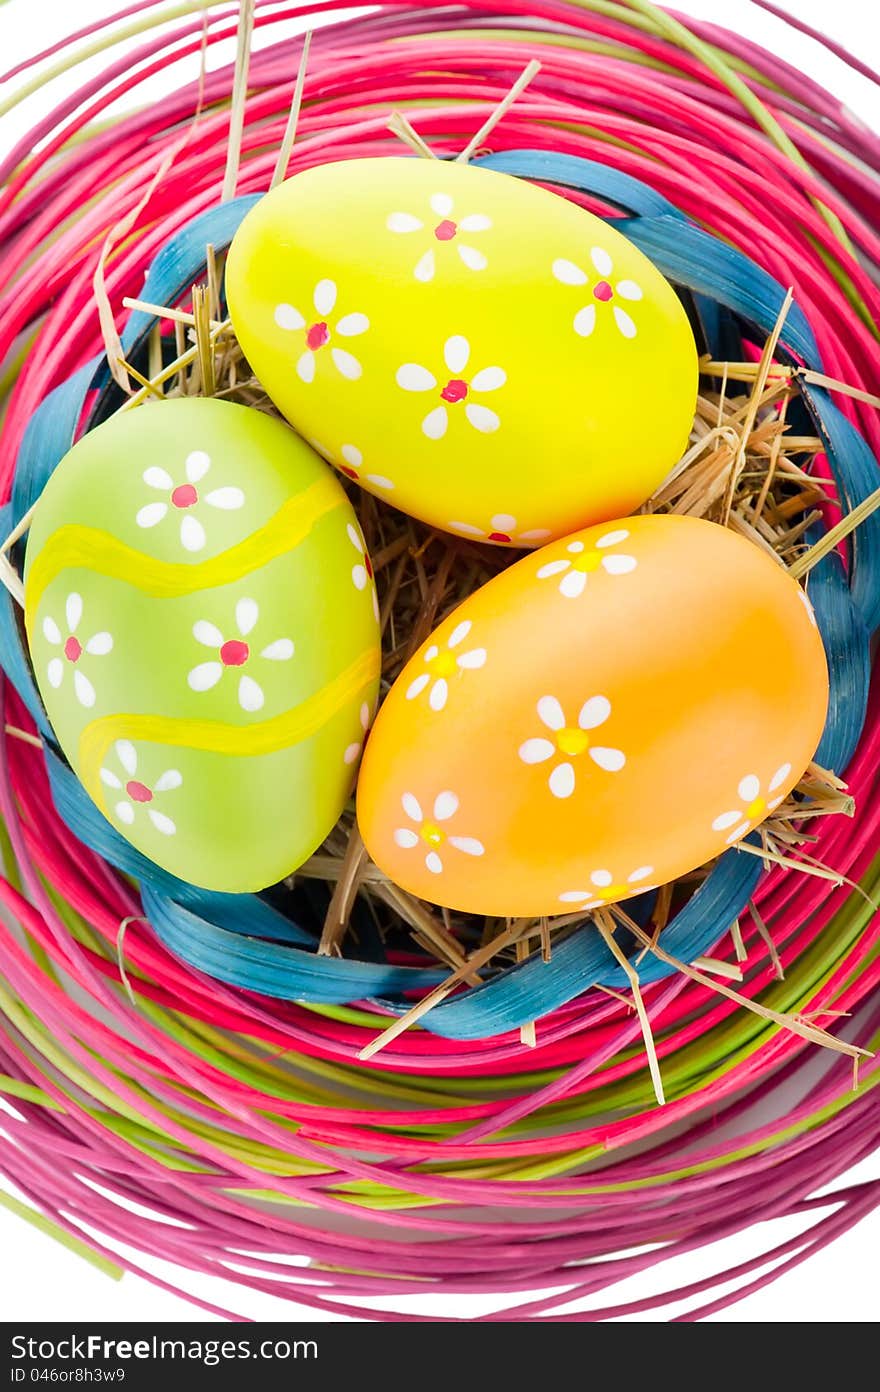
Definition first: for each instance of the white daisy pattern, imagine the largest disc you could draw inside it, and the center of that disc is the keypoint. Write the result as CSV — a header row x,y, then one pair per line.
x,y
581,561
362,570
133,794
183,500
235,655
756,803
568,743
442,227
431,834
321,331
603,292
442,664
456,392
503,530
73,649
353,751
605,889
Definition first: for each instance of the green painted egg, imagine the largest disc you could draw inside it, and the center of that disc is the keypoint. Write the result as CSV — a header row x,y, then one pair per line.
x,y
202,623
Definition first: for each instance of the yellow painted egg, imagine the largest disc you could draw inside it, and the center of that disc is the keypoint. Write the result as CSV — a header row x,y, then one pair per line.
x,y
474,349
202,623
607,714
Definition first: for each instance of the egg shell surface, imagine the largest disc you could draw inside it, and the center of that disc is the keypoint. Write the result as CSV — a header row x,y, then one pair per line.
x,y
476,350
203,629
606,715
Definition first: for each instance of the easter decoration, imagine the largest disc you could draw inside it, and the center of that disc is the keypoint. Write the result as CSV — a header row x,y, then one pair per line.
x,y
441,558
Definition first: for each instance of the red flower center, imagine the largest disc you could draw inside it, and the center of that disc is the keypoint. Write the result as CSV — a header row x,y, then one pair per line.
x,y
455,390
368,565
317,336
603,291
445,230
349,473
184,496
138,792
73,649
499,536
234,653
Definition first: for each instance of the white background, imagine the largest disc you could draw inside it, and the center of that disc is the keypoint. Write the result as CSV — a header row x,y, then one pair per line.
x,y
41,1280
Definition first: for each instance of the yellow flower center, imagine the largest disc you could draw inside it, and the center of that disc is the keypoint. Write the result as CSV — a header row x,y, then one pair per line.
x,y
443,664
588,560
572,741
756,809
432,834
614,891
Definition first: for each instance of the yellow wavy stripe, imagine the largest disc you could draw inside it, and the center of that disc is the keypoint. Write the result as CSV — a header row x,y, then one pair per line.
x,y
214,737
88,548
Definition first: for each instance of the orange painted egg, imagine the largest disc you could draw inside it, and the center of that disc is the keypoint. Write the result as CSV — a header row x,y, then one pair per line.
x,y
608,714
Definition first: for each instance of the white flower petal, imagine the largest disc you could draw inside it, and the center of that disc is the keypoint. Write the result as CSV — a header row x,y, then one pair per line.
x,y
472,660
161,822
568,273
431,652
779,777
168,781
475,222
207,634
192,533
629,290
435,423
286,317
359,576
198,462
535,751
456,351
73,611
469,844
206,675
553,568
412,807
503,522
573,584
355,538
51,631
441,204
611,760
154,477
350,325
611,538
551,713
411,377
445,806
100,644
434,863
472,258
280,651
574,896
594,712
417,687
250,694
774,803
749,787
227,499
481,418
127,756
405,838
618,565
737,832
459,633
403,222
325,296
305,367
85,692
55,672
602,878
726,819
425,266
624,322
125,812
576,547
562,781
364,716
346,364
585,321
643,873
380,481
438,695
467,528
601,260
488,379
151,514
109,779
351,753
247,612
352,456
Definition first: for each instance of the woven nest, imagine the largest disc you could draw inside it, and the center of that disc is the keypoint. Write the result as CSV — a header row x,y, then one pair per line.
x,y
535,1119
